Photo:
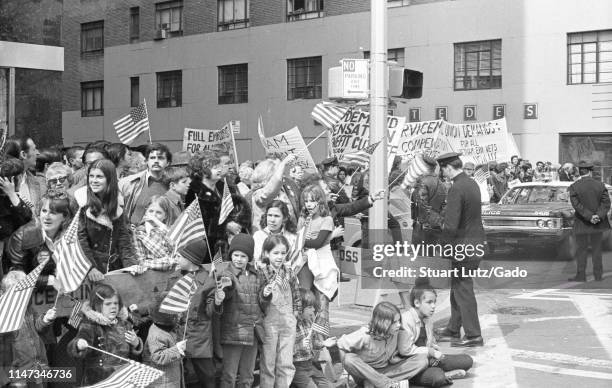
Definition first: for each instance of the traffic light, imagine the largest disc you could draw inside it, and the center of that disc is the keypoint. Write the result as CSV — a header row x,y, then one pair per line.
x,y
412,84
405,83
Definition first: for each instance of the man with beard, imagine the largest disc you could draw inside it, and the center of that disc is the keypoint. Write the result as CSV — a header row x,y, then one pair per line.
x,y
137,189
462,227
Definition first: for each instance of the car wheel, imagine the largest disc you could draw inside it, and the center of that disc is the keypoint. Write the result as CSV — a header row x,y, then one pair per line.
x,y
567,248
607,240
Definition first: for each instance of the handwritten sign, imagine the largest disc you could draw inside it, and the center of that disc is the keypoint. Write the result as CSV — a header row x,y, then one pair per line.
x,y
290,142
352,133
205,139
422,138
479,142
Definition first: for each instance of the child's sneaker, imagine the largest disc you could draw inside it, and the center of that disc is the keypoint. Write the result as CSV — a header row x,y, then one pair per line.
x,y
455,374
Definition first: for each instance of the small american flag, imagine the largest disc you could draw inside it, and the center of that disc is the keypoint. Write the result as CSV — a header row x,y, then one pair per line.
x,y
227,204
321,329
73,265
133,124
75,316
133,375
482,176
327,114
281,280
216,261
295,254
361,157
14,302
188,227
177,300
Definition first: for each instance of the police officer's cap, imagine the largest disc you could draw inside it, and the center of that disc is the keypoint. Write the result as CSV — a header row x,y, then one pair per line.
x,y
585,164
332,161
448,157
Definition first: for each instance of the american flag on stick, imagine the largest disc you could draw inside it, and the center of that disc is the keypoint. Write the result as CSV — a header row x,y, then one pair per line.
x,y
482,176
177,300
188,227
133,124
14,302
321,329
72,265
133,375
361,157
227,204
216,261
327,114
295,254
75,316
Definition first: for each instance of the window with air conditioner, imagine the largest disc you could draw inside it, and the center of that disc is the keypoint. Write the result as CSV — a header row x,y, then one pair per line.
x,y
169,17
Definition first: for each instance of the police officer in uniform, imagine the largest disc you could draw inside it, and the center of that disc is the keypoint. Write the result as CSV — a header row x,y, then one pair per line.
x,y
591,202
462,226
429,198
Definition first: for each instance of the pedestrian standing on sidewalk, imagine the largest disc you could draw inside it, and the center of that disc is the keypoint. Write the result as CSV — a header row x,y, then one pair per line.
x,y
591,201
462,226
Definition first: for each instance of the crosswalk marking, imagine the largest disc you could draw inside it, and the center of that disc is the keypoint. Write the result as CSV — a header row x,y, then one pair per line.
x,y
563,371
597,313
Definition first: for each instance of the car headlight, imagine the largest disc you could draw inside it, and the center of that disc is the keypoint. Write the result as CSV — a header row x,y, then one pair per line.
x,y
551,224
541,224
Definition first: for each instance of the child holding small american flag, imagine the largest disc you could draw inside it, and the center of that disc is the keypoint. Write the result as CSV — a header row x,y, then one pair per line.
x,y
280,314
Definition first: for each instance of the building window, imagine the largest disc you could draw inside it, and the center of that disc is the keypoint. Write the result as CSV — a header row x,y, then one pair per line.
x,y
169,17
134,24
589,57
234,84
232,14
134,91
169,89
397,3
92,37
92,98
396,55
478,65
304,78
304,9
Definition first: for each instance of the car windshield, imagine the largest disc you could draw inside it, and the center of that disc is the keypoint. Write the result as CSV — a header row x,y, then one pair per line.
x,y
535,194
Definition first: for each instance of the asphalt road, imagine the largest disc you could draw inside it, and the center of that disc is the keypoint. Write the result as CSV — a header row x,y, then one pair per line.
x,y
549,333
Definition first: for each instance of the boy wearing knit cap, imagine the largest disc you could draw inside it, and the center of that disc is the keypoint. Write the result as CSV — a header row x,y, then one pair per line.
x,y
199,335
239,307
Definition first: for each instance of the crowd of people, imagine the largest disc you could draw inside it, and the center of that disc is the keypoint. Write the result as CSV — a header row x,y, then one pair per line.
x,y
126,200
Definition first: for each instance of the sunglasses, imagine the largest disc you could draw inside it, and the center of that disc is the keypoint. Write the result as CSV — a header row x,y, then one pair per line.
x,y
55,181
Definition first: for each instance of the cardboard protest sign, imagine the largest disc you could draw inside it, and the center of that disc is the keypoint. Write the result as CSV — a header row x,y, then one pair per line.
x,y
352,133
204,139
422,138
290,142
479,142
140,290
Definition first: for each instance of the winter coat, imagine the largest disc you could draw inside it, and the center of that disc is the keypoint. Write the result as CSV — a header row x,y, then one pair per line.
x,y
589,197
161,353
26,249
241,307
106,243
12,217
130,188
98,366
199,323
29,349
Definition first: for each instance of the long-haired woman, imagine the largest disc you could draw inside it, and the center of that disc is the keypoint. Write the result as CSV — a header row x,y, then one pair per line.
x,y
103,231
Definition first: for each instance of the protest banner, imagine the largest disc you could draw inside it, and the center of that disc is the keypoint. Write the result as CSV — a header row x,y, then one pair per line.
x,y
290,142
204,139
352,133
422,138
479,142
139,290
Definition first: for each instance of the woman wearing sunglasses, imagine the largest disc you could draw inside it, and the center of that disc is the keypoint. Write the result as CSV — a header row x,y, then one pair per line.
x,y
58,177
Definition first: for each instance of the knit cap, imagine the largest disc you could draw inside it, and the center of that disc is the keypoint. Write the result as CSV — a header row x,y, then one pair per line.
x,y
244,243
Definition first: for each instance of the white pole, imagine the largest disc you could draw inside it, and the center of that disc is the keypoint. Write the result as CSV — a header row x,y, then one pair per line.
x,y
378,113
